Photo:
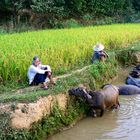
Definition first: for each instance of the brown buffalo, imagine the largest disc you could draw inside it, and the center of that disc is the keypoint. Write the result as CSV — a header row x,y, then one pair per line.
x,y
105,98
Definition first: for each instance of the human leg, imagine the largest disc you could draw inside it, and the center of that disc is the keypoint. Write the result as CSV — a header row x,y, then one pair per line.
x,y
39,78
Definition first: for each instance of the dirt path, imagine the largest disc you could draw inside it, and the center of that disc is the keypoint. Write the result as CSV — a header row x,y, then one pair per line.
x,y
35,88
73,72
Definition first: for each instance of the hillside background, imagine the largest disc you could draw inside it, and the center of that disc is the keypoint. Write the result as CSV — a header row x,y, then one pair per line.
x,y
22,15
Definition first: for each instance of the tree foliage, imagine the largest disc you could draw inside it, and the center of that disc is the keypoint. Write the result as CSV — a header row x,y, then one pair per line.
x,y
71,8
136,4
108,7
48,6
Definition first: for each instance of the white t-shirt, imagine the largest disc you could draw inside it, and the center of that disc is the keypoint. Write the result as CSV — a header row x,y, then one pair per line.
x,y
33,70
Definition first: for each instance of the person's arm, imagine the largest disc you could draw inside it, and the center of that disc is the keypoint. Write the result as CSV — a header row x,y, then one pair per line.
x,y
37,70
106,53
46,66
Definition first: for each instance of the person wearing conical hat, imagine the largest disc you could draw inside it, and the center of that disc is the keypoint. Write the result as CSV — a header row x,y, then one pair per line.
x,y
99,53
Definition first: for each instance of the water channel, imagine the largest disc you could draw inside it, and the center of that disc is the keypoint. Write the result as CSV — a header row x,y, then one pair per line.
x,y
121,124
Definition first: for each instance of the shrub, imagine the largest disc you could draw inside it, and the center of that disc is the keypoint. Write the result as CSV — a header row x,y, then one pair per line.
x,y
72,23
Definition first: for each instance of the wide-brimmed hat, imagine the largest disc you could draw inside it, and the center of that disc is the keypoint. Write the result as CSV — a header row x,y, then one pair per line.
x,y
98,47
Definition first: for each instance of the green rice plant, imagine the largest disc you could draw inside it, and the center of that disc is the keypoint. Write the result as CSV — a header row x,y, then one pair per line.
x,y
62,49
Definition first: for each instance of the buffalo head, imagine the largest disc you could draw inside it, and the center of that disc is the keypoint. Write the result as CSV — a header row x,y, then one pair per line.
x,y
78,92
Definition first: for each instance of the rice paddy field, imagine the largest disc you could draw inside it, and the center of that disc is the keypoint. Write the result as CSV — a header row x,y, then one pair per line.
x,y
63,49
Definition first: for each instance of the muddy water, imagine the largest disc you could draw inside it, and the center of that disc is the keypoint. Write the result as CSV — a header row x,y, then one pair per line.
x,y
121,124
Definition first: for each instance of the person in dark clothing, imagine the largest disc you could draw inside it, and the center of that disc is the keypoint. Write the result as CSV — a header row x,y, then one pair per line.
x,y
99,53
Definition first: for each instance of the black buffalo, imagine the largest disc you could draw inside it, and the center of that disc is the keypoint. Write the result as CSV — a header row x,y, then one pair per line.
x,y
128,89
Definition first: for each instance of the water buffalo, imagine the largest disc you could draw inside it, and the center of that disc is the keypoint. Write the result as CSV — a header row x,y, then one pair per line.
x,y
128,89
81,92
105,98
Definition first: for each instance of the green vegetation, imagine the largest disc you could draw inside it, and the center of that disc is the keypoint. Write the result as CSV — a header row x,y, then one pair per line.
x,y
94,76
58,119
45,127
124,55
53,13
63,50
89,76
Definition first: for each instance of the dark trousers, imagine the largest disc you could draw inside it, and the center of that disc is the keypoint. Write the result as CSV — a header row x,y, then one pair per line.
x,y
39,78
98,56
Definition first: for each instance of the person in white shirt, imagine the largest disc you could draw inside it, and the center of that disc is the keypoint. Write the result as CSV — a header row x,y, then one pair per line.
x,y
38,73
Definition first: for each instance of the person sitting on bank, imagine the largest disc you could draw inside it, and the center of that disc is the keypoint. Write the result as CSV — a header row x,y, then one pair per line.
x,y
38,73
99,53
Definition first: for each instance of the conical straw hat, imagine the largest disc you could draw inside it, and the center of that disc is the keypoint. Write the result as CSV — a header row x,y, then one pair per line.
x,y
98,47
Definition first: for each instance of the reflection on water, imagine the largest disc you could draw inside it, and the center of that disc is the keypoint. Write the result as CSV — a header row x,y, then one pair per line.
x,y
122,124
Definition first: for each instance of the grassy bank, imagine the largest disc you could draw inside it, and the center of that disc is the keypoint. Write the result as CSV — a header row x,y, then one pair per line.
x,y
8,91
94,76
63,49
99,72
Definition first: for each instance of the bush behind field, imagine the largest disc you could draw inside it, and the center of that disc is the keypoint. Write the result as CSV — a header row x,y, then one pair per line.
x,y
63,49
